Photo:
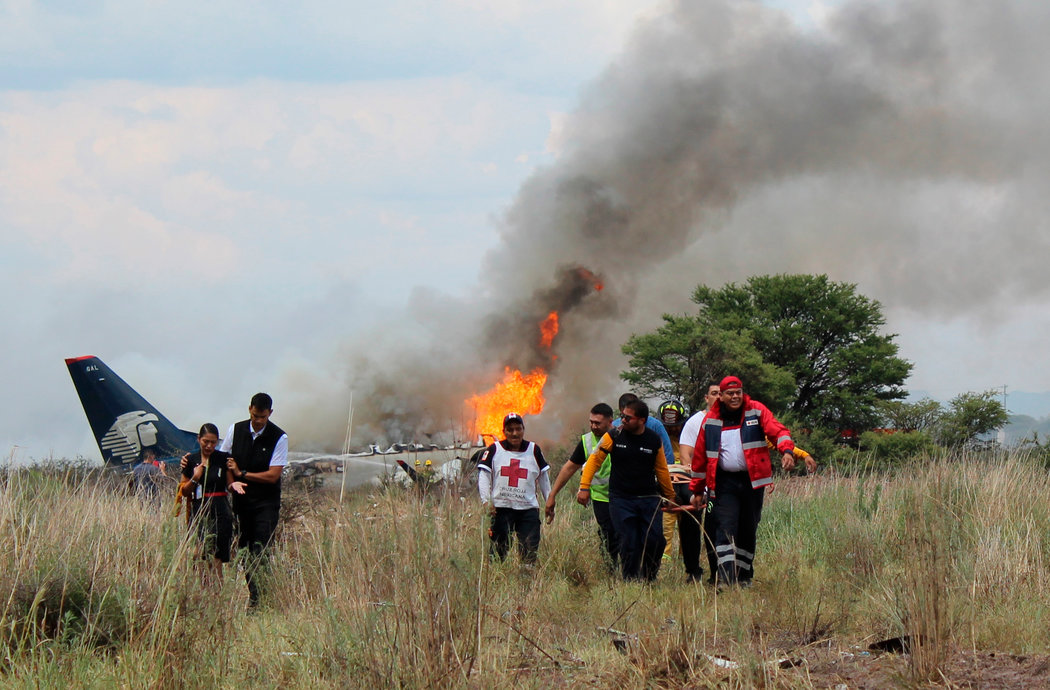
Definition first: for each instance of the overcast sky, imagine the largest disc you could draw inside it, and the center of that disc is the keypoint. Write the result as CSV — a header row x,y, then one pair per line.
x,y
224,197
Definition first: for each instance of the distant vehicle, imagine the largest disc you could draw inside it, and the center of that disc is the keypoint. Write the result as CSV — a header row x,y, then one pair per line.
x,y
125,425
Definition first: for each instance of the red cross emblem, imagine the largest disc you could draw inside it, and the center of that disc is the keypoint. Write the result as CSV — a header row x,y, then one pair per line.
x,y
514,471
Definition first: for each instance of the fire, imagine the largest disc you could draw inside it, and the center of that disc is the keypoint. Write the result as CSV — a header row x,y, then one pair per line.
x,y
549,329
523,393
517,392
590,277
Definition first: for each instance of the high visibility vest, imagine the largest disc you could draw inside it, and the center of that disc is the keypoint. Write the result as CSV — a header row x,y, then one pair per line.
x,y
600,483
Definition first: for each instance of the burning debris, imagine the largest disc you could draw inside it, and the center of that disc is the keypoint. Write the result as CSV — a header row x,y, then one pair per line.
x,y
517,392
549,329
520,392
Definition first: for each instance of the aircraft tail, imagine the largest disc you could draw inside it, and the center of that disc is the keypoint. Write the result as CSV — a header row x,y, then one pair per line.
x,y
125,425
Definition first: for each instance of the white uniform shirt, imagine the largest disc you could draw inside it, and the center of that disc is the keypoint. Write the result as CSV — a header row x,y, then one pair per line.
x,y
691,431
731,454
280,451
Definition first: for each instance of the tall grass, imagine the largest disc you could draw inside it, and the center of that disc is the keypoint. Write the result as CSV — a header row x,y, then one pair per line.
x,y
395,589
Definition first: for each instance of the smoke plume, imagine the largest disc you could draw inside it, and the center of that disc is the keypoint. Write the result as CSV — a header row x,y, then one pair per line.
x,y
898,145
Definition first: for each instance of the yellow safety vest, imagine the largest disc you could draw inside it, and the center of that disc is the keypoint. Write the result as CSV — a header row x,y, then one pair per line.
x,y
600,482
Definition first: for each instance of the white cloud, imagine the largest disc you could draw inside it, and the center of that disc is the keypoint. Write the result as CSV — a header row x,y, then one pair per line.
x,y
103,179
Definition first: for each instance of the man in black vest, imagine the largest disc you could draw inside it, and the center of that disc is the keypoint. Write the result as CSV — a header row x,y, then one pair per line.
x,y
258,455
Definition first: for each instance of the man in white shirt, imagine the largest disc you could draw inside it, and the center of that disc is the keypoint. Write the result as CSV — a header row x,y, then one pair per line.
x,y
686,443
258,455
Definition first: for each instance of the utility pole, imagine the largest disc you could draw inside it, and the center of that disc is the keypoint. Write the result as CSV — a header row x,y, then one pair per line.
x,y
1000,437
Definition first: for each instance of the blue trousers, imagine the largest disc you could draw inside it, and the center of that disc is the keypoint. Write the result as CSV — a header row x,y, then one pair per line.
x,y
639,525
607,532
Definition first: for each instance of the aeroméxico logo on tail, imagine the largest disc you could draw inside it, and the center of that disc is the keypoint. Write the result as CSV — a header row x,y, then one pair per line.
x,y
126,426
131,433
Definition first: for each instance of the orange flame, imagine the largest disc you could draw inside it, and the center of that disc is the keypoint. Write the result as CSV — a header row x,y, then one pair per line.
x,y
549,329
589,275
517,392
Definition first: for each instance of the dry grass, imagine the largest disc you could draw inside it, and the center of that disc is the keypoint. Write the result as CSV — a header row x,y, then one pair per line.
x,y
396,590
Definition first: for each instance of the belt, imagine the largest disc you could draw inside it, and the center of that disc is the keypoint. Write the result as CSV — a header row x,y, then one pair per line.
x,y
215,494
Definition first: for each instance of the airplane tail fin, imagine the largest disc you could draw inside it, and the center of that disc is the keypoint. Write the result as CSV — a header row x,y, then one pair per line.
x,y
126,427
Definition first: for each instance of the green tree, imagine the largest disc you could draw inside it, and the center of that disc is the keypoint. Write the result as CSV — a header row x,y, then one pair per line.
x,y
680,358
821,335
970,415
921,415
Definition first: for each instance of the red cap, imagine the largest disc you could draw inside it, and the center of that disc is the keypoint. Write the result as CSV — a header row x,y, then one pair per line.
x,y
730,382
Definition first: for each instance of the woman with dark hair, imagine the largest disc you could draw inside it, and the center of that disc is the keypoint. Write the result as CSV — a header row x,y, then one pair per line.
x,y
208,486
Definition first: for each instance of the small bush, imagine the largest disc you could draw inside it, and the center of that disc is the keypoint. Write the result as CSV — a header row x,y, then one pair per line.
x,y
896,448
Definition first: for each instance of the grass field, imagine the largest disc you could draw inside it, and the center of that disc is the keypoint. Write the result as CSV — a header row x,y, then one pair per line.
x,y
394,589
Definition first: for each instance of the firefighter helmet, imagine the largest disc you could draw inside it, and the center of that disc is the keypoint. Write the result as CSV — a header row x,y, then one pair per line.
x,y
671,412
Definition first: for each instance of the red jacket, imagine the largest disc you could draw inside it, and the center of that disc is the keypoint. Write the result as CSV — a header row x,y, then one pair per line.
x,y
757,423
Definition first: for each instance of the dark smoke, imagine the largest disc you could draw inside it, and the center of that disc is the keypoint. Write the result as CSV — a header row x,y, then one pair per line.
x,y
513,335
900,145
718,101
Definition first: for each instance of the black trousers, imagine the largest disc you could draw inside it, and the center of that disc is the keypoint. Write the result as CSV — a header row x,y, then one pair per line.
x,y
690,532
526,526
737,510
710,529
607,532
214,522
257,520
640,527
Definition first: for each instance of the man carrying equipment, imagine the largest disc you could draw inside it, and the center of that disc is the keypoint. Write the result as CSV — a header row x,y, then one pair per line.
x,y
601,421
683,516
638,484
686,444
733,463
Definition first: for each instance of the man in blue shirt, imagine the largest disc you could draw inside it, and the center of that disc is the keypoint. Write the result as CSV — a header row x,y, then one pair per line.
x,y
650,423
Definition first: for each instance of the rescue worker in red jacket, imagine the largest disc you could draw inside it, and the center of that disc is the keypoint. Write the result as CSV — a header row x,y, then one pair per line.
x,y
734,466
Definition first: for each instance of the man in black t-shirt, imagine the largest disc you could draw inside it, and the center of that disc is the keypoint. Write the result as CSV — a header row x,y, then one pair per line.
x,y
638,485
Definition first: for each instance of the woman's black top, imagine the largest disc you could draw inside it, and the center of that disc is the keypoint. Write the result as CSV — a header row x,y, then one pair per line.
x,y
214,480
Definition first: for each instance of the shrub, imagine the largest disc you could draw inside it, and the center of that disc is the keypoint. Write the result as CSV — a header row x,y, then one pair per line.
x,y
898,447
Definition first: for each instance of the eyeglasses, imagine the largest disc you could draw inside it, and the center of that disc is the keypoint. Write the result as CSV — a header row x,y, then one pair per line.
x,y
627,417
